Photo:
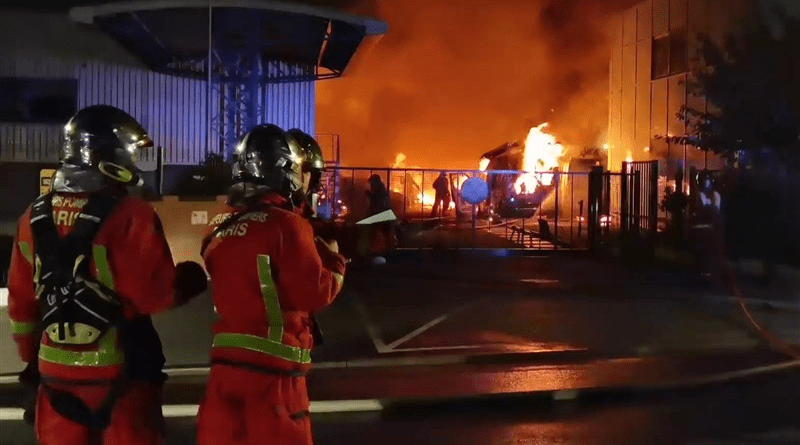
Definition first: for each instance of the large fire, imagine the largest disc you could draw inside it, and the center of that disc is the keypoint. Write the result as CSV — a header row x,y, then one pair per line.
x,y
542,152
414,181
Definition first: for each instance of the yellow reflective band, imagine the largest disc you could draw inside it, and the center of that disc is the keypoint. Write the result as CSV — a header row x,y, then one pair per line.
x,y
106,355
100,255
22,328
271,303
339,278
262,345
26,252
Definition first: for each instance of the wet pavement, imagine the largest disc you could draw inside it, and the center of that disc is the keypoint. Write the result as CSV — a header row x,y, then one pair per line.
x,y
423,304
748,412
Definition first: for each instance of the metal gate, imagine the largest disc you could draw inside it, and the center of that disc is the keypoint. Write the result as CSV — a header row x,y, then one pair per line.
x,y
639,209
554,219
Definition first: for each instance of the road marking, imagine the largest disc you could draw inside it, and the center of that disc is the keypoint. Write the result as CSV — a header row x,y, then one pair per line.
x,y
176,411
393,345
539,281
372,330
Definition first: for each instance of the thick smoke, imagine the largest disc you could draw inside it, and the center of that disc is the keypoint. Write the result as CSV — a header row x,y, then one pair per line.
x,y
455,78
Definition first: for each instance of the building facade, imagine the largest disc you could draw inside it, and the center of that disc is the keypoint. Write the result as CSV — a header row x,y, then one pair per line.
x,y
51,66
653,49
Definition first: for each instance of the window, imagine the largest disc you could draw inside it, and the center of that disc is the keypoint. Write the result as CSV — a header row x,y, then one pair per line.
x,y
660,57
678,49
670,54
37,100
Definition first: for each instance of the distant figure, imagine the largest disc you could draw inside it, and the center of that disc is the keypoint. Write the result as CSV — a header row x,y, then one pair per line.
x,y
675,204
378,196
707,228
442,189
380,237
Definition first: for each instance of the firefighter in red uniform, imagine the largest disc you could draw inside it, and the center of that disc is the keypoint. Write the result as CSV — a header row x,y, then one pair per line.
x,y
88,267
268,273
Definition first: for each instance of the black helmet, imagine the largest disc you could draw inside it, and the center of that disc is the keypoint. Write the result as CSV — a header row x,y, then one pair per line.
x,y
101,142
266,158
314,162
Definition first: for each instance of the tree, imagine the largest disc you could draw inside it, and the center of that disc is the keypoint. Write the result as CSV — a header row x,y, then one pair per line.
x,y
752,87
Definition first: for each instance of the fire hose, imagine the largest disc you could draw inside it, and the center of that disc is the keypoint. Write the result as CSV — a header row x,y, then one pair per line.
x,y
772,340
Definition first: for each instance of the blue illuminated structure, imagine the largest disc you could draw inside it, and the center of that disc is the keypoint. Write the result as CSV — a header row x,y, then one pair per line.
x,y
241,48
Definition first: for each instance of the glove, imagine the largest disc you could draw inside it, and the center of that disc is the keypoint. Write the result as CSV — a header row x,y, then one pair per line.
x,y
316,332
190,281
29,379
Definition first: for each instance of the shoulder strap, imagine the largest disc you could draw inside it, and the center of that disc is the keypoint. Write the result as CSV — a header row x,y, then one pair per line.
x,y
55,252
88,223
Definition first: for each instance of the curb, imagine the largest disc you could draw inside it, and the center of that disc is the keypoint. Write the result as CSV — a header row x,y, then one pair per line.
x,y
542,399
576,356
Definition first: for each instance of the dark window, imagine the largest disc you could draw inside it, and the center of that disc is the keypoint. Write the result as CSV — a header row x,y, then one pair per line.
x,y
37,100
678,53
660,57
670,55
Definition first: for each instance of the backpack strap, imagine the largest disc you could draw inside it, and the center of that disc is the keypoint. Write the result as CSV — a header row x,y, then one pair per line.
x,y
55,257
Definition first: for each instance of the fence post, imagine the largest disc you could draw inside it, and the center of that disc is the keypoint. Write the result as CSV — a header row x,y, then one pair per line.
x,y
557,178
653,209
595,190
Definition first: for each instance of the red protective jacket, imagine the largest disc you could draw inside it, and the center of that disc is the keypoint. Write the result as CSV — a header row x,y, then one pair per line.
x,y
267,275
139,259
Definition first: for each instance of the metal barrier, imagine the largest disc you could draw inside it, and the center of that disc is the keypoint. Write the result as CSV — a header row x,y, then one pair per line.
x,y
553,216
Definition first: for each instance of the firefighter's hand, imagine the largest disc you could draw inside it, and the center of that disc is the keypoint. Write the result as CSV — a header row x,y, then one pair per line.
x,y
332,245
190,281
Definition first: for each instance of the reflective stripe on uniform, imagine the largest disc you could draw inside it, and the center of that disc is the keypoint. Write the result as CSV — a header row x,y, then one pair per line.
x,y
19,328
100,255
273,345
339,278
271,303
106,355
26,252
263,345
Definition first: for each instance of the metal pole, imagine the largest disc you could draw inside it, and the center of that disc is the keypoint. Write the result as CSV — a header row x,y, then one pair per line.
x,y
208,82
405,193
555,235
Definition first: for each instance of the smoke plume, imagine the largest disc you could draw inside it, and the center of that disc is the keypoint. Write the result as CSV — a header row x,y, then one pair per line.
x,y
453,79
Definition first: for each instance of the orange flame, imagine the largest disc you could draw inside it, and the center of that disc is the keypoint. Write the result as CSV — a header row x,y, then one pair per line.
x,y
542,152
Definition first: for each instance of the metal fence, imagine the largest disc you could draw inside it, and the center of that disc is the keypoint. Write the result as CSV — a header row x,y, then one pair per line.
x,y
553,216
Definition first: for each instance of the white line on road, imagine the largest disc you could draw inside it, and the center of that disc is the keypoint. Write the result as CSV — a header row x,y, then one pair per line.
x,y
393,345
171,411
372,330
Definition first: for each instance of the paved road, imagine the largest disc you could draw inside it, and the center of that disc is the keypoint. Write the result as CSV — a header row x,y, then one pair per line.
x,y
434,303
751,412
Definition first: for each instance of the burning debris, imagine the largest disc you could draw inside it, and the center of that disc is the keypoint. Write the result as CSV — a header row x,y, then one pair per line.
x,y
542,154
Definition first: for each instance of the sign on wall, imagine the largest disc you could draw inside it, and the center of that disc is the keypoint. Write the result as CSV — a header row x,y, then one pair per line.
x,y
46,180
199,218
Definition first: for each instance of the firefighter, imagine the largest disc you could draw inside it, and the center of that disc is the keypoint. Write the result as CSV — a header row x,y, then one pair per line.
x,y
442,200
313,167
307,198
268,274
707,228
88,267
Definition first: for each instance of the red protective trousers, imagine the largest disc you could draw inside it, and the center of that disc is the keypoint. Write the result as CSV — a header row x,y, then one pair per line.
x,y
243,407
136,419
